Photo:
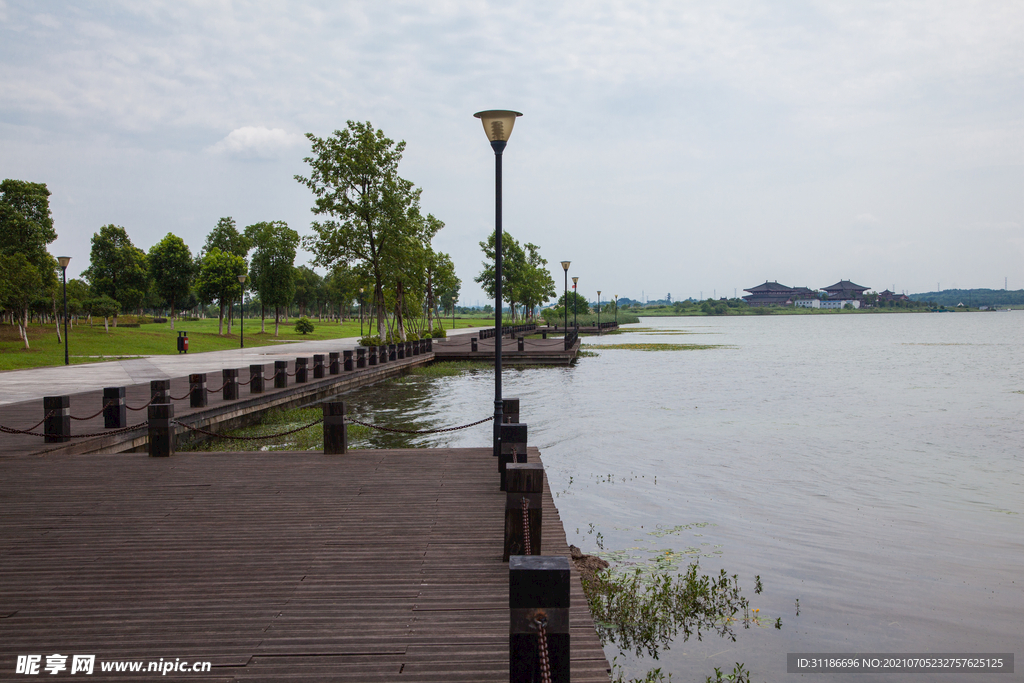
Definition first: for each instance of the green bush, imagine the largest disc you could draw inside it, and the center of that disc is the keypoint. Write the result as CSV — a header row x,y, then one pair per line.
x,y
439,333
370,341
411,336
303,325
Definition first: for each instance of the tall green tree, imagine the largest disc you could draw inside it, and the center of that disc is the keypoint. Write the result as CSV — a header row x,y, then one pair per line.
x,y
442,285
225,236
537,285
368,211
272,269
217,280
20,283
117,268
308,284
171,269
513,263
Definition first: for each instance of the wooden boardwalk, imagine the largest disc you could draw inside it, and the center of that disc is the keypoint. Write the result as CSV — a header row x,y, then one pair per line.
x,y
379,565
219,415
535,351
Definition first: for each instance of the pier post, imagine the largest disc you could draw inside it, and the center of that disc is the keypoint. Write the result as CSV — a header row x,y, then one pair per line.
x,y
161,431
525,480
159,390
521,344
538,593
335,358
255,379
472,344
318,366
416,348
401,351
372,360
335,431
349,364
115,413
197,396
513,448
510,410
382,354
57,426
301,370
408,349
230,376
392,352
360,356
280,374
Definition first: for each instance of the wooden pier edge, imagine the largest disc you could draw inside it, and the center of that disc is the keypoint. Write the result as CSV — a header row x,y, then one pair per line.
x,y
380,565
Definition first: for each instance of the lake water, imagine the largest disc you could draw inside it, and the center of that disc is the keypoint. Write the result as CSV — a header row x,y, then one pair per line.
x,y
868,466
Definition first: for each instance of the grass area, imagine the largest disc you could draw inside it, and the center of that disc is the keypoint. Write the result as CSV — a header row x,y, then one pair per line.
x,y
656,347
90,344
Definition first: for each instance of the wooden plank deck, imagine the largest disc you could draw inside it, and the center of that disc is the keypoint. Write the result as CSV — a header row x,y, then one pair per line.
x,y
379,565
535,351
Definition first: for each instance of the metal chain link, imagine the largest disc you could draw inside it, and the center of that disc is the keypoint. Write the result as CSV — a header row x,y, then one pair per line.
x,y
542,650
191,390
421,431
251,378
108,403
526,526
220,388
12,430
8,430
246,438
143,406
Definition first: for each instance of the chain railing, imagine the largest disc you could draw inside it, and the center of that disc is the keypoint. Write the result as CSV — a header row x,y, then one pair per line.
x,y
182,398
526,526
96,414
542,648
12,430
246,438
418,431
144,405
108,432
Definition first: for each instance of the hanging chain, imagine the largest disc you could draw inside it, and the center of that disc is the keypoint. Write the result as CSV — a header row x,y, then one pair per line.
x,y
143,406
421,431
191,390
12,430
247,438
526,526
542,649
97,414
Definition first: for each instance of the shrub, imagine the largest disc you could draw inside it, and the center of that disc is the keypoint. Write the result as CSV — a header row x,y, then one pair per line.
x,y
303,325
439,333
411,336
370,341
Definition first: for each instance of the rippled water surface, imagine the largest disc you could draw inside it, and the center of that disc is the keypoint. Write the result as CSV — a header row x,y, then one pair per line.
x,y
869,466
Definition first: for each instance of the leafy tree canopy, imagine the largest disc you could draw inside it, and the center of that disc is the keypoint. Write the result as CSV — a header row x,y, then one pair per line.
x,y
117,268
172,269
225,236
26,226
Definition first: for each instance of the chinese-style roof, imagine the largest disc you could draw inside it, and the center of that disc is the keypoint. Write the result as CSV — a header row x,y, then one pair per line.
x,y
805,292
845,286
770,287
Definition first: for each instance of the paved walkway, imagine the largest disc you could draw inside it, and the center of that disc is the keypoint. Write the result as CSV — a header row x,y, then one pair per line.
x,y
35,383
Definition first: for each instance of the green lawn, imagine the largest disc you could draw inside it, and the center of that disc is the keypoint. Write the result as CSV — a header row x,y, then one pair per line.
x,y
90,344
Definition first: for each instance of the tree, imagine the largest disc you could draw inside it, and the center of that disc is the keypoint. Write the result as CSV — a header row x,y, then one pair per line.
x,y
308,286
272,269
371,214
21,282
340,287
171,269
537,284
218,279
303,325
26,228
525,278
443,284
225,236
117,268
103,306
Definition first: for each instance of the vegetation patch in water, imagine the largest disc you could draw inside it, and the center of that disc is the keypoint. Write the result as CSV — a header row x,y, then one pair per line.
x,y
449,368
656,347
272,423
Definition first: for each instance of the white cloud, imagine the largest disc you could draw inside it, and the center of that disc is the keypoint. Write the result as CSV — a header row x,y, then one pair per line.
x,y
256,142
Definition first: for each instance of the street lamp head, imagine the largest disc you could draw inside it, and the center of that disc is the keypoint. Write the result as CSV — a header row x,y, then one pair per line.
x,y
565,265
361,290
498,123
63,261
599,292
575,280
241,278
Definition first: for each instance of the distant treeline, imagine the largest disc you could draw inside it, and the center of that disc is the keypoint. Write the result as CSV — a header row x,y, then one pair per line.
x,y
973,297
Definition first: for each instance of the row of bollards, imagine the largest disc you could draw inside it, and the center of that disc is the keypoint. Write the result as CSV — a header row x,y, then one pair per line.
x,y
57,409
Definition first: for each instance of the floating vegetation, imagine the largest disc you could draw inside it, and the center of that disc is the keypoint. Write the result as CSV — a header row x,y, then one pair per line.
x,y
586,354
657,347
449,368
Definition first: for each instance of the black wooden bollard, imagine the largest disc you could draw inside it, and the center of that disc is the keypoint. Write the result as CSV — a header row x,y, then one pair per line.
x,y
197,393
400,350
408,349
335,358
230,376
510,410
525,480
392,352
521,344
430,343
318,366
382,354
350,364
280,374
544,334
301,370
472,344
160,390
255,379
115,413
372,356
335,431
360,356
538,591
416,348
57,425
161,431
513,447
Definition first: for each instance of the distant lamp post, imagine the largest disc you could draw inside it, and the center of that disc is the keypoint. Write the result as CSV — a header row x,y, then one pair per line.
x,y
64,261
498,127
575,324
241,312
616,309
565,296
361,290
599,312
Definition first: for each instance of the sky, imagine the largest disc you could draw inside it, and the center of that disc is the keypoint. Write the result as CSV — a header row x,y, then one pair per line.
x,y
683,148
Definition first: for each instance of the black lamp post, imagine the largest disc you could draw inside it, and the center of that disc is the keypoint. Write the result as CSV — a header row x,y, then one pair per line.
x,y
565,296
599,312
616,309
241,312
498,126
64,261
574,293
361,312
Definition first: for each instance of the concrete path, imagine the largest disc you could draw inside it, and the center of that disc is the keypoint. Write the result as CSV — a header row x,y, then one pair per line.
x,y
35,383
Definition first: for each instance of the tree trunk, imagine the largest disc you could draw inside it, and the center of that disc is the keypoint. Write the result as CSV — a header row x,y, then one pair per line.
x,y
277,320
263,318
220,325
60,340
106,327
172,317
23,326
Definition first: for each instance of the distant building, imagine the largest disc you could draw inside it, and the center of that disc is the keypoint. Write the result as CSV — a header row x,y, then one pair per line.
x,y
773,293
845,290
892,296
840,303
807,303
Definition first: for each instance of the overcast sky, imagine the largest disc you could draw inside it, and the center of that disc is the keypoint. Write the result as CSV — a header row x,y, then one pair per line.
x,y
682,147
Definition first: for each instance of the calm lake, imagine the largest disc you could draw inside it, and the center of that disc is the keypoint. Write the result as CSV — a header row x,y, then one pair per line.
x,y
868,466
